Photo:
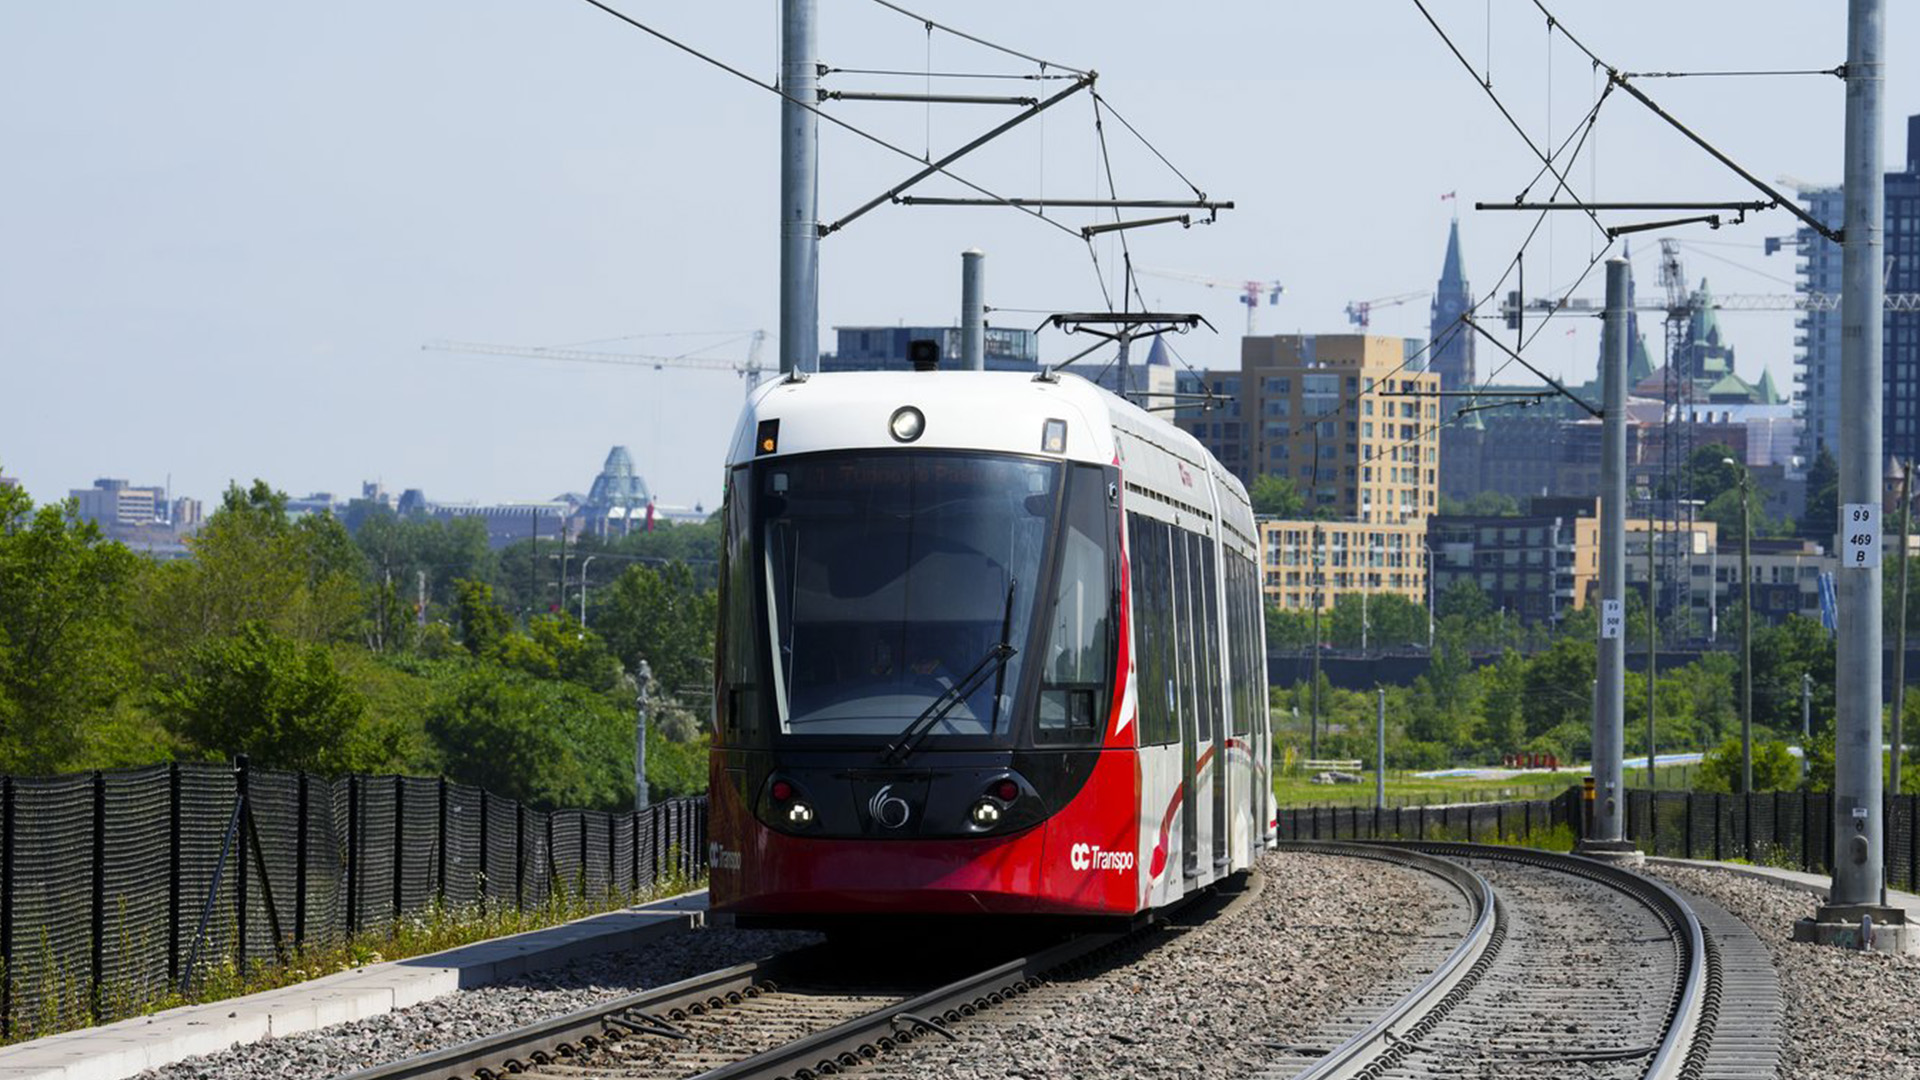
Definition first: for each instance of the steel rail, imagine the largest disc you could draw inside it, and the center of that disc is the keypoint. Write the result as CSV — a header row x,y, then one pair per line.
x,y
570,1038
1428,1003
1692,1011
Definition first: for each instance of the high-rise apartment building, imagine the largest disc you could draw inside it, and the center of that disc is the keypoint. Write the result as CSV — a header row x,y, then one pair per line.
x,y
1452,354
1818,337
1350,418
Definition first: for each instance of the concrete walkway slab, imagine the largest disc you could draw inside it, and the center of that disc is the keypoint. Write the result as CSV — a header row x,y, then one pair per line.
x,y
1817,884
118,1050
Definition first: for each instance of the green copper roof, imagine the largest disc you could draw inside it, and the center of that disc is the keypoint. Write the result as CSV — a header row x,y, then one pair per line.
x,y
1768,394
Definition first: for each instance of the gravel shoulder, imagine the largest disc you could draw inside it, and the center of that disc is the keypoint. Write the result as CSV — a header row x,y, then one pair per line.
x,y
469,1014
1221,999
1847,1014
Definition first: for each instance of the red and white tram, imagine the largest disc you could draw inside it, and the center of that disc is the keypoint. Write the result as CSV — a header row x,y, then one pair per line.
x,y
990,644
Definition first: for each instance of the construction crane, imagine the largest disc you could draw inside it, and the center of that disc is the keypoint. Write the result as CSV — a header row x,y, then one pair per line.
x,y
1250,291
1360,312
748,369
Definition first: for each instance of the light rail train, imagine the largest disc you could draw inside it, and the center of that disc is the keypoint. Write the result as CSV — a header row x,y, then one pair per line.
x,y
990,644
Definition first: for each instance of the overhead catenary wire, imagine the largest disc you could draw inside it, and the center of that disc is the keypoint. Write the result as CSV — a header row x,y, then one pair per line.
x,y
889,5
819,112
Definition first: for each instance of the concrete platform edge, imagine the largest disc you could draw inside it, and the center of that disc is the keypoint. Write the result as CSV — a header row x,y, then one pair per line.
x,y
121,1049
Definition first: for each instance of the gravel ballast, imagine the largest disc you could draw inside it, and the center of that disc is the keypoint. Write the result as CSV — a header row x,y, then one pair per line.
x,y
1847,1014
1220,999
469,1014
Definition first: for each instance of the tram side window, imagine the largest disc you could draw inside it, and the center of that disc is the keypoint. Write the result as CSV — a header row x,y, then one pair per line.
x,y
1151,594
1075,673
1245,611
1207,642
740,663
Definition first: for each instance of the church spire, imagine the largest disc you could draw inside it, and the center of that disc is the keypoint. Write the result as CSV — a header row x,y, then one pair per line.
x,y
1452,353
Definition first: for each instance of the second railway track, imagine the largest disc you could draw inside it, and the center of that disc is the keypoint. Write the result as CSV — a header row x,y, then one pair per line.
x,y
1566,967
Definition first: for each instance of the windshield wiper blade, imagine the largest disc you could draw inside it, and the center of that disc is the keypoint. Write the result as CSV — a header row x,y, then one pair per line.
x,y
996,658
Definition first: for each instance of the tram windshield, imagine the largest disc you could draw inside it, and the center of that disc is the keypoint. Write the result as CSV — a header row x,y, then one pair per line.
x,y
889,577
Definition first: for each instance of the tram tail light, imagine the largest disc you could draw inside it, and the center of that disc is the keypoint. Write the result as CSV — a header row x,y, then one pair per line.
x,y
1006,791
782,791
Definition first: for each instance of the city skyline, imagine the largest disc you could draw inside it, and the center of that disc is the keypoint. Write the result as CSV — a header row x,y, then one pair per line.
x,y
249,250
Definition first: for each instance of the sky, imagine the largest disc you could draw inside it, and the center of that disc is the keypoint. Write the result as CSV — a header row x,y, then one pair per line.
x,y
227,228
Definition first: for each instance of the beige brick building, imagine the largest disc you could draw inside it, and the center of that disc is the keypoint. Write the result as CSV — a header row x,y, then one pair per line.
x,y
1356,557
1323,410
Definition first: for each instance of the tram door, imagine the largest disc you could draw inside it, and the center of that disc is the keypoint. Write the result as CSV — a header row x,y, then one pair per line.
x,y
1216,707
1186,710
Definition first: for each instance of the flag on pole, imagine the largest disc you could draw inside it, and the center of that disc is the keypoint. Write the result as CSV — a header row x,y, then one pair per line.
x,y
1447,196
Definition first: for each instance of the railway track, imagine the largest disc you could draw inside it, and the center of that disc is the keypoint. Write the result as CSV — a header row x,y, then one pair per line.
x,y
813,1012
1566,966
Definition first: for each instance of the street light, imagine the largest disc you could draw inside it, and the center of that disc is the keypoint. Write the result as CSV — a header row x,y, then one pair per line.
x,y
1746,633
583,589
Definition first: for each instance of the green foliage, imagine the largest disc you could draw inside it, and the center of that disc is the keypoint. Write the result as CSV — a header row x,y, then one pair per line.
x,y
281,702
666,616
1392,621
1464,599
483,625
1774,769
1820,521
1480,504
545,742
65,652
1288,629
1276,496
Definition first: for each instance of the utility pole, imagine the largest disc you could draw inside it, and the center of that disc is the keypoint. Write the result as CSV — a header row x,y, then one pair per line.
x,y
1858,827
584,563
1380,750
1313,722
1365,585
1806,721
642,677
799,191
1900,634
1746,637
1653,643
973,310
1610,661
420,602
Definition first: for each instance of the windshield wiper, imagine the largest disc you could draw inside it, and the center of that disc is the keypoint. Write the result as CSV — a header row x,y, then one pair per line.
x,y
996,658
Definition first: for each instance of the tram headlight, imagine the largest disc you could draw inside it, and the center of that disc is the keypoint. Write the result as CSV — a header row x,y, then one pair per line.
x,y
986,813
906,424
799,814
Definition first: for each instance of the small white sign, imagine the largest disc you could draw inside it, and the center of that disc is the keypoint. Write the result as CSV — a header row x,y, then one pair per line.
x,y
1860,535
1860,811
1613,618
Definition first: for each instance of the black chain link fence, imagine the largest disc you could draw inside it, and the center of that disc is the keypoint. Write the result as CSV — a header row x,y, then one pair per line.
x,y
118,886
1515,821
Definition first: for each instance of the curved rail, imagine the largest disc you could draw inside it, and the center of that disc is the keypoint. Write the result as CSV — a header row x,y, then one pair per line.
x,y
1692,1009
1370,1049
573,1039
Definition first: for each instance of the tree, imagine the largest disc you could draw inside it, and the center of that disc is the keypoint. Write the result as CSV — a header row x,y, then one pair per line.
x,y
1391,619
1288,629
279,701
1276,496
666,617
483,626
1820,521
545,742
66,650
1480,504
1774,769
1463,599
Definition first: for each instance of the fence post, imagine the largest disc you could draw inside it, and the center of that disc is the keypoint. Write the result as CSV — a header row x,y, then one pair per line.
x,y
440,867
97,954
553,862
520,856
1686,829
610,853
173,875
633,826
583,854
1913,842
399,842
1719,841
6,906
300,825
485,812
241,782
1747,808
353,855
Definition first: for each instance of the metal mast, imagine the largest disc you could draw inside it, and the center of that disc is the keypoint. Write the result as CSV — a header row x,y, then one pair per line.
x,y
1609,688
1857,863
799,191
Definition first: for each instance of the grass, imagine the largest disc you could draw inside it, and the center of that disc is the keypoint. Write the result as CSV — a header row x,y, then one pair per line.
x,y
62,1002
1405,789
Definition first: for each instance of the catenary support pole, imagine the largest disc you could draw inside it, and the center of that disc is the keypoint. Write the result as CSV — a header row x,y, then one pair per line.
x,y
642,678
973,310
1857,849
1806,727
1653,644
1746,634
1610,663
799,191
1380,750
1900,634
